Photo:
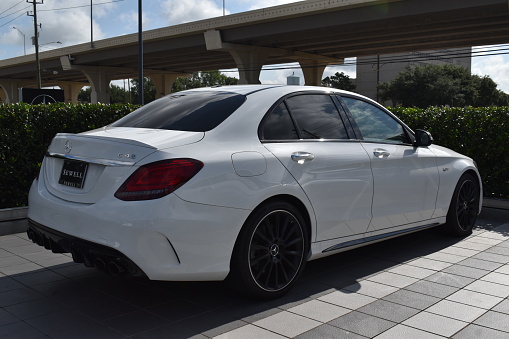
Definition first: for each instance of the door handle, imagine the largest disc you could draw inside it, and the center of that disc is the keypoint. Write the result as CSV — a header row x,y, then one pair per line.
x,y
381,153
302,157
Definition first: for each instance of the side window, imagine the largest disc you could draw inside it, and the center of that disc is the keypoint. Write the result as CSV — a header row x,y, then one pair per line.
x,y
279,125
375,124
317,117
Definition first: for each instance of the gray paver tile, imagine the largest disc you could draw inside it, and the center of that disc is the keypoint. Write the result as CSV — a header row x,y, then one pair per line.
x,y
28,267
35,308
492,257
7,284
435,324
466,271
472,245
503,307
484,240
17,296
7,318
489,288
459,251
475,299
494,235
430,264
503,269
412,271
371,289
178,309
450,279
502,250
38,277
55,323
445,257
478,332
412,299
136,322
456,310
348,300
392,279
12,260
362,324
319,310
249,332
20,330
495,320
431,288
402,331
480,264
287,324
498,278
328,331
388,311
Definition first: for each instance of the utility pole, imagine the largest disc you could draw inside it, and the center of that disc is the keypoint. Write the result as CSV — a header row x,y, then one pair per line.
x,y
141,85
36,41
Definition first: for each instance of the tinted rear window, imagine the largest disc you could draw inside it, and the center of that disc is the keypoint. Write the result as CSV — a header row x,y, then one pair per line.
x,y
194,111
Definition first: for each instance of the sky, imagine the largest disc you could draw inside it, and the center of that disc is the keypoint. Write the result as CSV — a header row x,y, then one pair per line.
x,y
67,22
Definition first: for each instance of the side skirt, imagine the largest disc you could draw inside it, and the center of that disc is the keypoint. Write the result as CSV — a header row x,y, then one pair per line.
x,y
376,238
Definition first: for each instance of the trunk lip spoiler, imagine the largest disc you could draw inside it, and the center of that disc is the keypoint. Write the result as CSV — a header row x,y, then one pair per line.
x,y
106,162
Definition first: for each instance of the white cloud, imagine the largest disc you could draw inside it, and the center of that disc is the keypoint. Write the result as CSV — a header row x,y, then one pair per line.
x,y
177,12
496,66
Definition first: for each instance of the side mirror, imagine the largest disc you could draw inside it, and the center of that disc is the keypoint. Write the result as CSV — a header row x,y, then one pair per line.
x,y
422,138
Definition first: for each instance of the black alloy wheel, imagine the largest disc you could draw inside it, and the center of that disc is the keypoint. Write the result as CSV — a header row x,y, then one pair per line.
x,y
271,251
464,206
276,250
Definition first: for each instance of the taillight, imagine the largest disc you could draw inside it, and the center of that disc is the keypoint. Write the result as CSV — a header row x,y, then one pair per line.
x,y
158,179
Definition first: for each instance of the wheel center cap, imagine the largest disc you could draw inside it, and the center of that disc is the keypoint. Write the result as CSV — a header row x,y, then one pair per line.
x,y
274,250
465,205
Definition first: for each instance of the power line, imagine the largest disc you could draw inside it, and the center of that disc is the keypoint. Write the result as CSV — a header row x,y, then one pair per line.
x,y
12,20
19,10
11,7
64,8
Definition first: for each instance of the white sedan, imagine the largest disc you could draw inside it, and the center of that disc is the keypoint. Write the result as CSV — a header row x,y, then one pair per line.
x,y
245,182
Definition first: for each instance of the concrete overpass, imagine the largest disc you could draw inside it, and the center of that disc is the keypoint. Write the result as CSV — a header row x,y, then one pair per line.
x,y
314,33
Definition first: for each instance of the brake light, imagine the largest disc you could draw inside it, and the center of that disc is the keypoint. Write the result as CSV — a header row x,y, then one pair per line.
x,y
158,179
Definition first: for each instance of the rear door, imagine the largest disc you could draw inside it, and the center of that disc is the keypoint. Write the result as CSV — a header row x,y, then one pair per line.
x,y
405,177
307,134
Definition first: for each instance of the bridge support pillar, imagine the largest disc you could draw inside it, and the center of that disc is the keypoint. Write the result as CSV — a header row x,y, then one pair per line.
x,y
9,91
249,64
71,91
100,86
164,82
313,72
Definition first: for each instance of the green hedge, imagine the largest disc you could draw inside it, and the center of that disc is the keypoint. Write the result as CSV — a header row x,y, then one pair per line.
x,y
480,133
26,131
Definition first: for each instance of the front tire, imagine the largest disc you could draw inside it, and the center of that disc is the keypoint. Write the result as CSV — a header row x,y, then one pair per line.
x,y
464,206
270,253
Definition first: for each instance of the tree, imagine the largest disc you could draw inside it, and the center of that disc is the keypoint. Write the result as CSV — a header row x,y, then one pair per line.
x,y
149,91
441,85
203,79
340,81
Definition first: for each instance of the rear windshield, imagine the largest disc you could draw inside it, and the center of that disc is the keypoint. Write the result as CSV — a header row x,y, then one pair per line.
x,y
192,111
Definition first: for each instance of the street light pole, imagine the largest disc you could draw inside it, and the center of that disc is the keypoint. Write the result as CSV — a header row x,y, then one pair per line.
x,y
24,41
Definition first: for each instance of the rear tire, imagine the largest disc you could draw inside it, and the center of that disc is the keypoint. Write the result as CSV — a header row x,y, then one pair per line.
x,y
464,206
270,253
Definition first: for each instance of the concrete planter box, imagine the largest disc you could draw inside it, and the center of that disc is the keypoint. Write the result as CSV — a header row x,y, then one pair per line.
x,y
13,220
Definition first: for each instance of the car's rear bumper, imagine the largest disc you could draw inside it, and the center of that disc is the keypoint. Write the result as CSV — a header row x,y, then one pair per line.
x,y
164,239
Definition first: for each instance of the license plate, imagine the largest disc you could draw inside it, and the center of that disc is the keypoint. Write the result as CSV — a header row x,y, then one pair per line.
x,y
73,173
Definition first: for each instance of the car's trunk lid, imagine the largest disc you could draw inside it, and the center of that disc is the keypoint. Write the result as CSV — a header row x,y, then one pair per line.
x,y
84,167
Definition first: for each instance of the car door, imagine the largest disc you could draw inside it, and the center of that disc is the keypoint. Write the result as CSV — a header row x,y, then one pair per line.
x,y
405,177
307,134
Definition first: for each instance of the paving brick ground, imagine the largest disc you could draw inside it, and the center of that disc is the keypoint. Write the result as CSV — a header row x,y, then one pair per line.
x,y
424,285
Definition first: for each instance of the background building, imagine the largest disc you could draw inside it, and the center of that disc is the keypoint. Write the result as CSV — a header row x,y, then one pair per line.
x,y
373,70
